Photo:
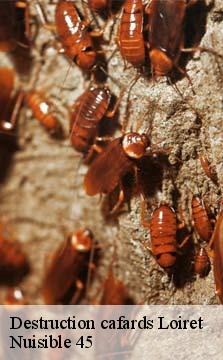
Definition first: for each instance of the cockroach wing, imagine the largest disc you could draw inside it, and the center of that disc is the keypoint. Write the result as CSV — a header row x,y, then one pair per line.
x,y
107,170
218,255
61,273
7,77
166,21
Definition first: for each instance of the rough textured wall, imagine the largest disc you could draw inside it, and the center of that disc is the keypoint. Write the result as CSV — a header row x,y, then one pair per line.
x,y
42,193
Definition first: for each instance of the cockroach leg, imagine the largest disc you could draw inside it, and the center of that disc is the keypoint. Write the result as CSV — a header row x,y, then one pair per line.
x,y
96,33
104,138
183,243
94,148
8,126
185,73
191,3
111,113
79,287
120,199
144,222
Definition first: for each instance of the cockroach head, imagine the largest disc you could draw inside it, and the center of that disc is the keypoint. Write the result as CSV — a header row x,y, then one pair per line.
x,y
86,59
135,145
82,240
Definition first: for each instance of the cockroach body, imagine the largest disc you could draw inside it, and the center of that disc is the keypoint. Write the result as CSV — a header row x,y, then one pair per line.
x,y
74,35
208,169
217,243
118,158
98,6
42,111
13,261
201,220
166,34
163,228
67,272
131,40
202,263
86,115
114,292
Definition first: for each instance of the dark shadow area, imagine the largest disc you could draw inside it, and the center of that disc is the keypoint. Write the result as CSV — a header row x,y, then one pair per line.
x,y
21,23
150,173
22,60
183,271
8,146
194,30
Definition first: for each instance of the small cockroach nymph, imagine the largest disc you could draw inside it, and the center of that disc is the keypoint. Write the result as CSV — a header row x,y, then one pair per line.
x,y
130,36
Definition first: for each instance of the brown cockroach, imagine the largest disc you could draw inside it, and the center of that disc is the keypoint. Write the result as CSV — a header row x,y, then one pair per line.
x,y
118,158
163,228
130,37
114,292
75,35
216,243
67,272
166,34
13,261
200,217
202,264
87,113
208,168
42,110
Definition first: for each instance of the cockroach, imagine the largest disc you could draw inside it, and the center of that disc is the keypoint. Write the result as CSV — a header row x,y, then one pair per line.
x,y
13,261
42,110
15,296
115,292
130,36
200,217
202,263
166,34
163,228
118,158
75,35
217,243
67,273
87,113
208,168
